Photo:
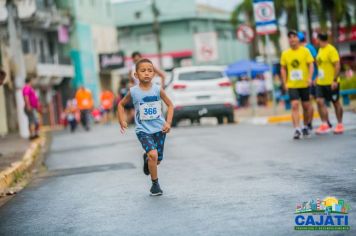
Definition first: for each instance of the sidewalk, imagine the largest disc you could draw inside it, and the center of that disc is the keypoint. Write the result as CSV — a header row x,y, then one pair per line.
x,y
17,158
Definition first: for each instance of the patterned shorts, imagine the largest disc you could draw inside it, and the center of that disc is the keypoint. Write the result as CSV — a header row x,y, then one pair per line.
x,y
152,142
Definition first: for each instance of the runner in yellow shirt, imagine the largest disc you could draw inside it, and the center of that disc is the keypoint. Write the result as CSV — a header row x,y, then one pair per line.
x,y
328,84
297,70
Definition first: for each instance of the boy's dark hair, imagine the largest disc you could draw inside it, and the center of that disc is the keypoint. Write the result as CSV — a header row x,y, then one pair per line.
x,y
28,80
144,60
323,37
134,54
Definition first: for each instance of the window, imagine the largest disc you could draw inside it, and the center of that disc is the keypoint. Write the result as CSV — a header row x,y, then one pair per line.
x,y
34,46
42,53
201,75
25,46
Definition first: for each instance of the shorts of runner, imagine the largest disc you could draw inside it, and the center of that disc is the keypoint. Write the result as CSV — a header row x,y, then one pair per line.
x,y
299,93
326,92
312,90
151,142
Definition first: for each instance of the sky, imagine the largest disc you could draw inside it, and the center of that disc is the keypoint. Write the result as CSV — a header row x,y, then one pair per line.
x,y
227,5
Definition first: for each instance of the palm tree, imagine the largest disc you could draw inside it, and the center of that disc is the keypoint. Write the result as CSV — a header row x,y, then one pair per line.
x,y
335,11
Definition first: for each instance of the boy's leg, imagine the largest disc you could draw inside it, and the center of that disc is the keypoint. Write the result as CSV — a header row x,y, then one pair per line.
x,y
295,113
159,139
152,163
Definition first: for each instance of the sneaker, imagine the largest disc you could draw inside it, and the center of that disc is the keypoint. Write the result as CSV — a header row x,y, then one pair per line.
x,y
339,129
297,134
156,190
306,132
145,165
323,129
310,126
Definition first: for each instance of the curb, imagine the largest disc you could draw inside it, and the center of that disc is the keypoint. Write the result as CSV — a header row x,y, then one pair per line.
x,y
265,120
285,118
17,169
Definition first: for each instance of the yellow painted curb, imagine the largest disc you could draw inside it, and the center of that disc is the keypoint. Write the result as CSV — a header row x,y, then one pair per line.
x,y
285,118
10,174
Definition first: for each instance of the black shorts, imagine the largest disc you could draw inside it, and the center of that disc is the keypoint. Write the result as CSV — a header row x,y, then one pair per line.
x,y
325,91
151,142
299,93
313,90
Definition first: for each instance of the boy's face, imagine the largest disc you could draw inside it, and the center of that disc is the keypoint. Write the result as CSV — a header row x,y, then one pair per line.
x,y
145,72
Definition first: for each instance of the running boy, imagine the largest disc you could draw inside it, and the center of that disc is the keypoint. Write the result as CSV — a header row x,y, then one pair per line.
x,y
151,127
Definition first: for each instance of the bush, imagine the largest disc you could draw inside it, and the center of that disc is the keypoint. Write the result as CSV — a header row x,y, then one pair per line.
x,y
348,83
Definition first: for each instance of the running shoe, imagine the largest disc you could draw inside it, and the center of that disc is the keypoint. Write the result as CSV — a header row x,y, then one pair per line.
x,y
339,129
310,126
323,129
306,132
156,190
297,134
145,165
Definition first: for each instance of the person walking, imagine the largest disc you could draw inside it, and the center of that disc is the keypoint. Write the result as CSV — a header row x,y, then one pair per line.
x,y
107,99
328,87
297,71
85,104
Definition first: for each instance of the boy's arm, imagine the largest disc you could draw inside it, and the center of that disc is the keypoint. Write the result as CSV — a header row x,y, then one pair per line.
x,y
121,111
170,110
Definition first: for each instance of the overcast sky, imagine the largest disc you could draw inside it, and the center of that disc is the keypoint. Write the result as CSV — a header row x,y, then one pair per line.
x,y
225,4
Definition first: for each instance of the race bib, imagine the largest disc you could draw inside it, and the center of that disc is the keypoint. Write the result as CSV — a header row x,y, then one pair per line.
x,y
150,110
296,75
321,74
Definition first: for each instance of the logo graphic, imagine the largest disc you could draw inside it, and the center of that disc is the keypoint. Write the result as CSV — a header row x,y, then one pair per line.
x,y
328,214
295,63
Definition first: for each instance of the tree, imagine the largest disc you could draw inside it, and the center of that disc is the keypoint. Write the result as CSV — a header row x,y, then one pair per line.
x,y
335,11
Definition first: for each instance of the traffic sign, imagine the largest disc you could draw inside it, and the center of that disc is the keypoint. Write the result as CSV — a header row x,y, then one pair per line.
x,y
245,33
265,18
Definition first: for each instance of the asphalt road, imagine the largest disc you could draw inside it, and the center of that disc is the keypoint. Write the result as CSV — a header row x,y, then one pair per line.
x,y
217,180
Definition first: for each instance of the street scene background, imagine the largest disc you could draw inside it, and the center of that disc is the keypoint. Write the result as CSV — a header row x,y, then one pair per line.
x,y
233,169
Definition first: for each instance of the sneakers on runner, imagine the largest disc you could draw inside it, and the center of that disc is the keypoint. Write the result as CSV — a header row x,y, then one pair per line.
x,y
145,165
310,126
323,129
306,132
339,129
297,134
156,189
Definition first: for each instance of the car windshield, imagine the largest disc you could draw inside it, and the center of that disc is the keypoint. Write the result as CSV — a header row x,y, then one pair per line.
x,y
200,75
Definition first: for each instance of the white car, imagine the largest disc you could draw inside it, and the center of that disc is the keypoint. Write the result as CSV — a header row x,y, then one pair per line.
x,y
201,91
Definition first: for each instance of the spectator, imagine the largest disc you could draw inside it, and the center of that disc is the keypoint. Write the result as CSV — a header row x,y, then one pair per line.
x,y
32,106
243,91
85,104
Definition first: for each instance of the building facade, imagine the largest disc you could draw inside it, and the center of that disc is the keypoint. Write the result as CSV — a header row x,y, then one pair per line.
x,y
190,34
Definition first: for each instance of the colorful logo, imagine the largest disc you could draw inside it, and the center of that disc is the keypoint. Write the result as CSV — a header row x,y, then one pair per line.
x,y
328,214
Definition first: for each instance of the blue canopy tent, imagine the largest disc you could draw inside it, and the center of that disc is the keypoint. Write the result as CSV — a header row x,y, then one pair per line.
x,y
246,67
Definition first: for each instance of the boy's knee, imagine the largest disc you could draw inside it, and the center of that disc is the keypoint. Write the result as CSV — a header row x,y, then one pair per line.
x,y
295,105
153,155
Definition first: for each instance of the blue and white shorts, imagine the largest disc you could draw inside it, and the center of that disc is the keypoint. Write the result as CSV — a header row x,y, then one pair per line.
x,y
152,142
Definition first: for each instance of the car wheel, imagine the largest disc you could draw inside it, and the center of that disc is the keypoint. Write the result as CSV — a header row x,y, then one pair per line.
x,y
220,120
230,119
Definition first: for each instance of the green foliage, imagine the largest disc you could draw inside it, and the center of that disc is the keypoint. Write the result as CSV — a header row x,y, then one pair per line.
x,y
348,83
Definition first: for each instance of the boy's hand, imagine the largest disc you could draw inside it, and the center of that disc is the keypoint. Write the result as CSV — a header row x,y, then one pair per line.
x,y
166,127
123,126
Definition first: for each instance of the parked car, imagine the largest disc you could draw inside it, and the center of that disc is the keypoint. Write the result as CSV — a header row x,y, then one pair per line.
x,y
201,91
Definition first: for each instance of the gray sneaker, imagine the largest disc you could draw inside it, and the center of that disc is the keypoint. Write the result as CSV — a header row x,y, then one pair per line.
x,y
156,190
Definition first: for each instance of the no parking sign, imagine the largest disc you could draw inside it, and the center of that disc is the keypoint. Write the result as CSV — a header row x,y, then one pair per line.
x,y
264,17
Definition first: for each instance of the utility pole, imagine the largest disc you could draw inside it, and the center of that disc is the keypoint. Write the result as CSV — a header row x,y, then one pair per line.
x,y
297,7
306,20
20,71
156,30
